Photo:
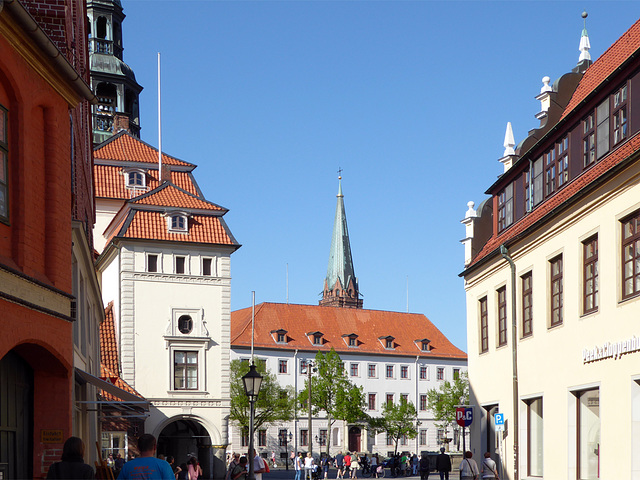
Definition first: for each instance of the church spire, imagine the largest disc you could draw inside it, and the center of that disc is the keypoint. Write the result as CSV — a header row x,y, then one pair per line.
x,y
341,284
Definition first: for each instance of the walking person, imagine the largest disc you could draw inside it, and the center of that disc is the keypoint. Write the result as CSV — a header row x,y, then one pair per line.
x,y
355,465
146,466
347,464
195,471
298,465
374,464
71,464
308,466
324,463
489,469
443,464
468,467
340,465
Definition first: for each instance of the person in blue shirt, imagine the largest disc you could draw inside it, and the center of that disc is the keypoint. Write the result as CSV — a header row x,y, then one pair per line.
x,y
146,466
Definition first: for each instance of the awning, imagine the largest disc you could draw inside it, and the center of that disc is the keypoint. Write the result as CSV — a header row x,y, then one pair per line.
x,y
128,401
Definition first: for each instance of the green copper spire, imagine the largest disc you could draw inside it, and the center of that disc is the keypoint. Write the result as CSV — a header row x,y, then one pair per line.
x,y
341,285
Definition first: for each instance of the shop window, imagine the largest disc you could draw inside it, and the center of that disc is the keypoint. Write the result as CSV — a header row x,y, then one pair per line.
x,y
534,437
588,434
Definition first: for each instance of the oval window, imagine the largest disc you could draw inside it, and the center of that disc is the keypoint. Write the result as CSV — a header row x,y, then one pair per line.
x,y
185,324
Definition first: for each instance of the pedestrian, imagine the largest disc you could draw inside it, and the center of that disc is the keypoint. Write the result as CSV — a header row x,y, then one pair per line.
x,y
374,465
489,468
195,471
347,464
355,465
239,471
424,466
468,467
146,465
324,463
233,463
71,464
414,463
182,472
273,459
299,466
340,465
118,465
259,466
308,466
443,464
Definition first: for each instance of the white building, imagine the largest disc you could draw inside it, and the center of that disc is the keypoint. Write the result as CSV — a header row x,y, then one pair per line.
x,y
552,279
391,355
165,265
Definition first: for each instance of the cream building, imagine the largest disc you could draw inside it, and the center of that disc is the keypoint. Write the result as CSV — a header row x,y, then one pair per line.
x,y
552,279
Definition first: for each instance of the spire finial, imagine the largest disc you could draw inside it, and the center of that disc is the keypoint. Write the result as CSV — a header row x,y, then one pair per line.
x,y
509,141
339,182
585,45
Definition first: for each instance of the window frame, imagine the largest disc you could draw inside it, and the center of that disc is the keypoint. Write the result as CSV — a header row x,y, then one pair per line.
x,y
620,102
424,372
590,275
556,287
588,140
389,371
157,263
184,366
531,404
176,262
354,369
440,374
4,164
209,261
505,207
304,437
283,366
404,372
630,241
484,325
371,400
389,399
526,282
501,294
422,403
262,437
372,371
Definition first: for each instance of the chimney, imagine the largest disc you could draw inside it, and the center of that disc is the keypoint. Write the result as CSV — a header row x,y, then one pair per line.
x,y
165,174
121,121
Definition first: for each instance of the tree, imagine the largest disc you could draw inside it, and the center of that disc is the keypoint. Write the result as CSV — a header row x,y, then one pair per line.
x,y
333,393
275,403
398,420
442,401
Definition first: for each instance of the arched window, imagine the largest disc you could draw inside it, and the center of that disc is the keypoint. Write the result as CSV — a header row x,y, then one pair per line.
x,y
101,28
178,222
136,179
185,324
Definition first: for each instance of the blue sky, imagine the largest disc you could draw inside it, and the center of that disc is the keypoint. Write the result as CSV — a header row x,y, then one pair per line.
x,y
410,99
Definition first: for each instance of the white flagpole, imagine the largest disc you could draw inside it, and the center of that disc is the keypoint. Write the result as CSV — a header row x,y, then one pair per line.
x,y
159,129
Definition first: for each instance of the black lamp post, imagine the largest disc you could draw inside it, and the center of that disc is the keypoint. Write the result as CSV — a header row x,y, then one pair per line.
x,y
287,438
252,381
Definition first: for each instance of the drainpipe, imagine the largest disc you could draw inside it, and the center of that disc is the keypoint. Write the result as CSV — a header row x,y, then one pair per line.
x,y
514,356
417,374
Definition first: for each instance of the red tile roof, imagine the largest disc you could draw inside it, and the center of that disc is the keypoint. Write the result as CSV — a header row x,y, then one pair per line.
x,y
334,322
168,195
153,226
127,148
109,363
561,197
110,182
607,64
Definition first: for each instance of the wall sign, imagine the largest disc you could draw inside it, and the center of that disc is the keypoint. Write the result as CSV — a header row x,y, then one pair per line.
x,y
613,350
51,436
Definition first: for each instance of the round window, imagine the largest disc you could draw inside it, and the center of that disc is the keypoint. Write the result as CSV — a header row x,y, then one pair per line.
x,y
185,324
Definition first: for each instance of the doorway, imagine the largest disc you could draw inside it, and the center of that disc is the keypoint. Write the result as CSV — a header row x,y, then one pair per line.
x,y
355,435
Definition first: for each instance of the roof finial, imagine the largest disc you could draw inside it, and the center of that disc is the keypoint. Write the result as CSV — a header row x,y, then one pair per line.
x,y
339,182
509,141
585,45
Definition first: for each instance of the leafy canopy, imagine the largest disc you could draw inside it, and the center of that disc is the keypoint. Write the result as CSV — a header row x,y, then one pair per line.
x,y
398,420
442,401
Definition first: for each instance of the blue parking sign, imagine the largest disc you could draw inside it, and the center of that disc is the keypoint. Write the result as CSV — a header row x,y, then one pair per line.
x,y
499,418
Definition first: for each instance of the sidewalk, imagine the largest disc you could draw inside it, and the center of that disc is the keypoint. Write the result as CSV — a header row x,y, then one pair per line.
x,y
280,473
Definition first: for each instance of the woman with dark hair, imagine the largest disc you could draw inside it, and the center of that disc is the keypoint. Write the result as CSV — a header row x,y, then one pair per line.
x,y
195,471
72,465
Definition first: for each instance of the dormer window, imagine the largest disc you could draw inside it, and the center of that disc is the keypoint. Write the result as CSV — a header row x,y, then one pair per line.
x,y
136,178
387,342
280,335
351,339
177,222
315,338
423,344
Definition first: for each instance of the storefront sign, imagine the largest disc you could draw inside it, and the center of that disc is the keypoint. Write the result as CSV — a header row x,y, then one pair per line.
x,y
51,436
613,350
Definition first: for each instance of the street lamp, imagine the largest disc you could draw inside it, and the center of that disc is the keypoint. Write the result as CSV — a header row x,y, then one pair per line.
x,y
252,381
287,438
310,368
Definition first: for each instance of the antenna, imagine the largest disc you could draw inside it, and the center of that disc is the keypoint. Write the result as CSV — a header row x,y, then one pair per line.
x,y
287,284
253,321
407,293
159,129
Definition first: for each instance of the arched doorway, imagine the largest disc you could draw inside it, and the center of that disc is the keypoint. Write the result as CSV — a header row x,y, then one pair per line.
x,y
185,438
16,420
355,435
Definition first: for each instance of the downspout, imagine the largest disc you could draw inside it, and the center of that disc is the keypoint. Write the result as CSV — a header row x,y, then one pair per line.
x,y
417,374
514,356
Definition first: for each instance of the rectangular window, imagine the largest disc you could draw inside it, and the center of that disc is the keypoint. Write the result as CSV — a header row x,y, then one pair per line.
x,y
424,372
389,371
440,373
389,343
440,436
322,437
354,369
588,423
185,370
180,263
423,436
282,437
550,171
502,316
206,266
352,342
403,440
389,398
304,437
631,256
423,402
372,370
484,326
4,165
588,142
281,338
556,290
245,437
602,129
538,181
404,398
404,371
563,161
456,373
152,263
317,339
534,437
303,367
590,275
262,438
505,207
527,304
389,440
372,401
282,366
620,115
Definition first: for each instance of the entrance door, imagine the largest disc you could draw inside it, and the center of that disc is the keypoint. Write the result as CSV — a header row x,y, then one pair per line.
x,y
186,438
354,439
16,417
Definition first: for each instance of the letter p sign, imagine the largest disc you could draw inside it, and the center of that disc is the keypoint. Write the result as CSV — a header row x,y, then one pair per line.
x,y
464,416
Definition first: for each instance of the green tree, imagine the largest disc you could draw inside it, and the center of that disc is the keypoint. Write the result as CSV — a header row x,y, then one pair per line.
x,y
442,401
275,403
398,420
333,393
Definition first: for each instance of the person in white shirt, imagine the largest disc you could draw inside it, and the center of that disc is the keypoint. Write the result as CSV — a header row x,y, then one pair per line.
x,y
258,466
308,466
488,469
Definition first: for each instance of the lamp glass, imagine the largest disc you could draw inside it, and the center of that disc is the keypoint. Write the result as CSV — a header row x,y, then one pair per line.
x,y
252,382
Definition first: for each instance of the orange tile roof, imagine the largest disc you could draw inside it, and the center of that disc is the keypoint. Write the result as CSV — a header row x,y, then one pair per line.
x,y
168,195
604,66
110,183
334,322
147,225
125,147
562,197
109,363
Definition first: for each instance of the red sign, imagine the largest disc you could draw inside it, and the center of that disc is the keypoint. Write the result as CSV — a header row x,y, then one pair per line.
x,y
464,416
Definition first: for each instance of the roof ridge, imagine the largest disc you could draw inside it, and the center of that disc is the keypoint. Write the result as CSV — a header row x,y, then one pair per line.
x,y
169,184
122,133
244,328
